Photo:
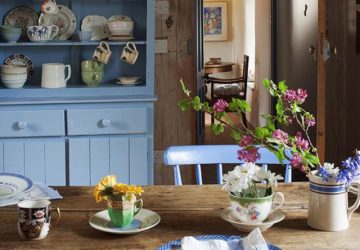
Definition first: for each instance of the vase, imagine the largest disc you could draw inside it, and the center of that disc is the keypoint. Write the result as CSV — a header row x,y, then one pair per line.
x,y
122,213
253,210
328,204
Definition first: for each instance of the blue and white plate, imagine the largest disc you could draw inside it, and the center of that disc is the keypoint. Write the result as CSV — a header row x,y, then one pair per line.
x,y
13,184
144,220
176,244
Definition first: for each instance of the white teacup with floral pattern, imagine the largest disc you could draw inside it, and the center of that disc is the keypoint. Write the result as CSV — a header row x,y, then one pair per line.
x,y
255,210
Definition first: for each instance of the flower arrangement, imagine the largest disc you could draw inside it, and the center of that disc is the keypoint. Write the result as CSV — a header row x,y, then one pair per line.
x,y
298,148
109,189
243,181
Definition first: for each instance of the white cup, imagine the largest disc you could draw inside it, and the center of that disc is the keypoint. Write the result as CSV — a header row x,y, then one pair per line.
x,y
53,75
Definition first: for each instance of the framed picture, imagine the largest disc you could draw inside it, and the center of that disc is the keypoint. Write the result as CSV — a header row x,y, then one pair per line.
x,y
215,21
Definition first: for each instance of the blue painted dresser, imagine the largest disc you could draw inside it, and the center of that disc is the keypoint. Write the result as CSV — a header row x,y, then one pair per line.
x,y
78,134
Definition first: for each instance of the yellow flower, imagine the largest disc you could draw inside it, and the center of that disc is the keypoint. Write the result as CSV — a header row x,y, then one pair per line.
x,y
104,188
123,188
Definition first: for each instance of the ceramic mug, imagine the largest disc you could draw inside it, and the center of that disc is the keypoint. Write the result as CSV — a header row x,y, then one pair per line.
x,y
49,7
129,53
53,75
34,217
122,213
254,210
102,53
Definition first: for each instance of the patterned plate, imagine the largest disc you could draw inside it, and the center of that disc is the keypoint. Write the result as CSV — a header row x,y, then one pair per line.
x,y
97,25
20,59
13,184
22,16
144,220
65,19
176,244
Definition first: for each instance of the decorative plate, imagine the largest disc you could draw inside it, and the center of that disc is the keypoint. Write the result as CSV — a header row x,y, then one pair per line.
x,y
65,19
20,59
97,25
274,217
176,244
13,184
144,220
128,79
22,16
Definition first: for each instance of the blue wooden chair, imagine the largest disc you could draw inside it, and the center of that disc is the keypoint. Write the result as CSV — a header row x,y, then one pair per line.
x,y
214,154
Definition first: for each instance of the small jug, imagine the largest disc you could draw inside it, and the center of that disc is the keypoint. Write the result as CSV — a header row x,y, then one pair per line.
x,y
328,204
129,53
49,7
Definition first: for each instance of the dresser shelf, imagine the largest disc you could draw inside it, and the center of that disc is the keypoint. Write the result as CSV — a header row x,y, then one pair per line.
x,y
68,43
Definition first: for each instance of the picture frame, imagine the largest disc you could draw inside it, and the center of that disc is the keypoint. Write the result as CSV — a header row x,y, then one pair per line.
x,y
215,21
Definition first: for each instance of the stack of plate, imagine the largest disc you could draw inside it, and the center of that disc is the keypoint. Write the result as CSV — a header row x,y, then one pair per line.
x,y
13,184
128,80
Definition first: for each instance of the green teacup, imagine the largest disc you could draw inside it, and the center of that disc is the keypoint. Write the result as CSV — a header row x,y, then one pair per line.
x,y
92,78
122,213
92,66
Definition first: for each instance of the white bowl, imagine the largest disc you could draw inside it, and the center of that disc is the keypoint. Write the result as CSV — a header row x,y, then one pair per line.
x,y
121,28
13,84
13,69
13,77
128,79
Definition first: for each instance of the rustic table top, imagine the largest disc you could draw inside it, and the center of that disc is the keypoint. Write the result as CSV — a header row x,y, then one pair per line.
x,y
218,68
184,210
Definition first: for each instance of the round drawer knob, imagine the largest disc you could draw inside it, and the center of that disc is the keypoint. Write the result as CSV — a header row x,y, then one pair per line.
x,y
22,125
105,122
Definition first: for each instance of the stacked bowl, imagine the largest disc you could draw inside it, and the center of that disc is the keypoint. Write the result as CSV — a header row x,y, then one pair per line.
x,y
10,33
120,27
13,76
92,72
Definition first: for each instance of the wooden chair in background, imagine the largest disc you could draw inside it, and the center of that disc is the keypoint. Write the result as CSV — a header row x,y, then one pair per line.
x,y
227,89
198,155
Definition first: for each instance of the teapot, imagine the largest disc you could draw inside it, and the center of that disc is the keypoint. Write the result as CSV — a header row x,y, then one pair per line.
x,y
49,7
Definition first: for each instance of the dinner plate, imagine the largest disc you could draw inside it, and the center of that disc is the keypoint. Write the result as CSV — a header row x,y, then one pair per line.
x,y
128,79
13,184
22,16
20,59
97,25
274,217
144,220
176,244
65,19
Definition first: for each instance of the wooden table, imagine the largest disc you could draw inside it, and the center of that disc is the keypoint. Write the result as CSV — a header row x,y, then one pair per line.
x,y
184,210
218,68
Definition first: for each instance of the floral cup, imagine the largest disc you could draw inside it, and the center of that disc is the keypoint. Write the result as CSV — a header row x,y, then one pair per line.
x,y
122,213
255,210
34,219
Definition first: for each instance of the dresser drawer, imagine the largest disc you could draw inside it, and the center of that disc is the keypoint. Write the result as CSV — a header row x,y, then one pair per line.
x,y
32,123
107,121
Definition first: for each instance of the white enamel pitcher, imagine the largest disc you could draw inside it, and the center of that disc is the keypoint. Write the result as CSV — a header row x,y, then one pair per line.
x,y
328,204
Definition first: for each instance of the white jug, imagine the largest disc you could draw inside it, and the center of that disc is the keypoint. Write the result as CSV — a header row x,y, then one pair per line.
x,y
328,204
53,75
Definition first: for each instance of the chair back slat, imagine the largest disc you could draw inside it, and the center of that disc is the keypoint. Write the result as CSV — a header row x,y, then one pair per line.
x,y
215,154
198,174
219,174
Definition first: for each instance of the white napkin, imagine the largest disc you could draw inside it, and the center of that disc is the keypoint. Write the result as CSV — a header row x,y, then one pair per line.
x,y
254,241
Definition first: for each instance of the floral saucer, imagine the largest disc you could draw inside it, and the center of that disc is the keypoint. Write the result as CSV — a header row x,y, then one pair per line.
x,y
274,217
144,220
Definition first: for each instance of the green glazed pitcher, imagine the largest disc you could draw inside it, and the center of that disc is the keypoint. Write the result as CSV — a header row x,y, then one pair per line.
x,y
122,213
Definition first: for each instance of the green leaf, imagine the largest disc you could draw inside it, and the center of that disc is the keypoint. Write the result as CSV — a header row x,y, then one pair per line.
x,y
184,89
236,135
261,132
271,126
184,104
217,128
238,104
279,107
196,103
312,158
282,87
279,153
267,83
219,115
